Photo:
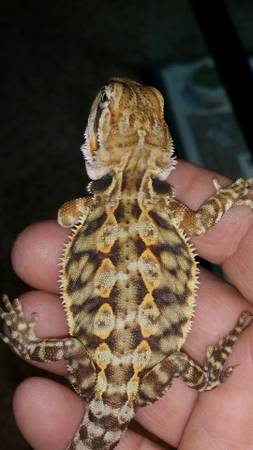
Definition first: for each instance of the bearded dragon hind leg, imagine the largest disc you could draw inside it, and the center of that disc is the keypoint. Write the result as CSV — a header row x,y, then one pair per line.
x,y
159,379
218,354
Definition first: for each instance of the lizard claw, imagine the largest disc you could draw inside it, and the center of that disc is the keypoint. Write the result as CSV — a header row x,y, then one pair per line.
x,y
21,331
216,184
225,373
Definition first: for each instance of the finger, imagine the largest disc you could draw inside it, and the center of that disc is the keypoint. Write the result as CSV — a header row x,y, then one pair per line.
x,y
135,441
218,308
194,184
48,415
193,187
230,242
36,254
239,266
51,322
167,417
223,418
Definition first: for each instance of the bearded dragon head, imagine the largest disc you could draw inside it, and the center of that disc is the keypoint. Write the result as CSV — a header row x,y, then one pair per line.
x,y
126,122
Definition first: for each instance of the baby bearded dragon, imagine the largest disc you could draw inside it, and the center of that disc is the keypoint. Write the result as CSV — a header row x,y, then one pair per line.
x,y
128,273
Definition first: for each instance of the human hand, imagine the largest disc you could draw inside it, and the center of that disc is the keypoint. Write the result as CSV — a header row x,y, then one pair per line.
x,y
48,413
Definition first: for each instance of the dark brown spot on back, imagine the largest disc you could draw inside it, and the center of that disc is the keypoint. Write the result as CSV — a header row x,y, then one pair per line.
x,y
94,225
158,249
174,272
136,337
159,220
175,329
75,285
115,254
164,296
94,257
139,246
75,309
92,304
136,211
178,249
114,297
97,443
161,187
181,298
154,343
119,212
102,184
141,290
83,433
112,340
114,400
91,340
107,422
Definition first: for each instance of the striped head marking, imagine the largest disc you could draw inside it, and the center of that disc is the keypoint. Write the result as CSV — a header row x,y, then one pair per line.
x,y
126,123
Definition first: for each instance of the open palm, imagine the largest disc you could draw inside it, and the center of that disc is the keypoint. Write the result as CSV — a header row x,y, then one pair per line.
x,y
49,413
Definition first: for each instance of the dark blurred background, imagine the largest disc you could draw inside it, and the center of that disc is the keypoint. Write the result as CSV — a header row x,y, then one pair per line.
x,y
54,58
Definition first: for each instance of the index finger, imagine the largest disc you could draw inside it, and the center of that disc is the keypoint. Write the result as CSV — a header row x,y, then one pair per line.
x,y
194,185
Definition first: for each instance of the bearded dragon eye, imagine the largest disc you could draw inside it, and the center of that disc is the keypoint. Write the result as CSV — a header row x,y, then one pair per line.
x,y
103,99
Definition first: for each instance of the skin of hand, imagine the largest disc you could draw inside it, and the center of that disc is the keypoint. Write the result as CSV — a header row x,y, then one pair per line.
x,y
48,413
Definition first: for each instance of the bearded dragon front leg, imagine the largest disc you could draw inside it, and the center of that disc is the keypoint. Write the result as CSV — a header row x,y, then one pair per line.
x,y
213,373
70,213
23,341
210,213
